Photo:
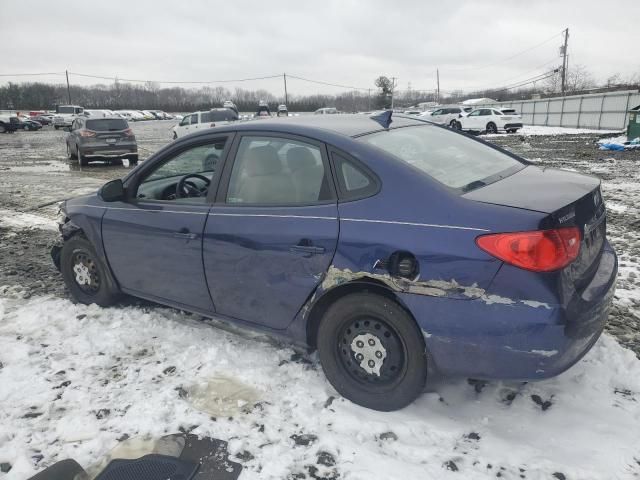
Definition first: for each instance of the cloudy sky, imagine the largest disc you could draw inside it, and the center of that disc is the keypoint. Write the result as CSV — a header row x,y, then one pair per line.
x,y
474,44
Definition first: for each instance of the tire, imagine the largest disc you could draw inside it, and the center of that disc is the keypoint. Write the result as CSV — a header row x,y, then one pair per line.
x,y
57,127
3,129
101,288
491,128
133,159
83,162
70,154
452,124
512,130
398,378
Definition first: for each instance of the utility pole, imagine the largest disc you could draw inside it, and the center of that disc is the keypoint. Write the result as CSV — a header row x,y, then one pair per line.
x,y
563,52
369,101
286,97
438,83
68,88
393,88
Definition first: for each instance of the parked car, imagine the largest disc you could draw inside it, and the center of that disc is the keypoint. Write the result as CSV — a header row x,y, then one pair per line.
x,y
326,111
66,114
449,114
101,139
9,123
282,111
412,112
308,230
43,119
26,123
199,120
490,120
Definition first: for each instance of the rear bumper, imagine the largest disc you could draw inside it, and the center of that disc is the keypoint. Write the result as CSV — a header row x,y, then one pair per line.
x,y
108,151
515,341
510,126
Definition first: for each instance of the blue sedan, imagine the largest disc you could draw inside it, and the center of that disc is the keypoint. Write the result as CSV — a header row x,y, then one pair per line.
x,y
397,248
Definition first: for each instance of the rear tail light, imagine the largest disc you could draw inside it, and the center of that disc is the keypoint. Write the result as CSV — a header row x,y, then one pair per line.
x,y
87,133
538,251
128,133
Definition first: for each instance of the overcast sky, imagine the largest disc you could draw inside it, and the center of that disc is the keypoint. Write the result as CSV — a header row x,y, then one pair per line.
x,y
475,44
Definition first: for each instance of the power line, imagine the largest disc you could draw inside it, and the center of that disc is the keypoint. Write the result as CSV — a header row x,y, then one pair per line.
x,y
29,74
329,84
510,57
175,81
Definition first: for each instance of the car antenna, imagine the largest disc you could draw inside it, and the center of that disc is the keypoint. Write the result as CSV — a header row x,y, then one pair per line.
x,y
383,118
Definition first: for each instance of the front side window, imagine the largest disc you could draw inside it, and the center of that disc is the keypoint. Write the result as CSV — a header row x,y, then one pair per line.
x,y
452,159
278,171
185,177
186,120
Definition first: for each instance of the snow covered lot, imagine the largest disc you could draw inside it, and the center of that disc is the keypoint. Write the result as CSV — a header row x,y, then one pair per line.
x,y
75,379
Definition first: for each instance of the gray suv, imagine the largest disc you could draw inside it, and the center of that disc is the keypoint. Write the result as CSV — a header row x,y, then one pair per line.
x,y
107,138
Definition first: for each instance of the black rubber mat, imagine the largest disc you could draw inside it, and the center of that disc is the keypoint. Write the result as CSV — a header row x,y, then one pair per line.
x,y
150,467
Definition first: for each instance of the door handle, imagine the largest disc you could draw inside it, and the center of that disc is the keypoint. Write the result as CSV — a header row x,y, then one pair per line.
x,y
307,249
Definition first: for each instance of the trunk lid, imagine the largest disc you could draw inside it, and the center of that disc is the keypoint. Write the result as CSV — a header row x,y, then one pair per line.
x,y
567,199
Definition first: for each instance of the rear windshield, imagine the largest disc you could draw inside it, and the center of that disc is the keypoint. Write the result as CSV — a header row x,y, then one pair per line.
x,y
107,124
219,116
452,159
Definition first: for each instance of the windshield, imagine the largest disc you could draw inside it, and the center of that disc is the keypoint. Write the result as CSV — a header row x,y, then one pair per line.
x,y
107,124
450,158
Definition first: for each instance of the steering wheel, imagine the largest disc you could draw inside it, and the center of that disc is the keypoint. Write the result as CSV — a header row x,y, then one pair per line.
x,y
187,189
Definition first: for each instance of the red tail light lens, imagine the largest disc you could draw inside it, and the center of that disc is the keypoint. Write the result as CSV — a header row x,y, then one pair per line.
x,y
128,132
87,133
538,251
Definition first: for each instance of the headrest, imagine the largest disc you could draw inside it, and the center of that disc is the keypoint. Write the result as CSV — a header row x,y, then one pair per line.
x,y
262,161
299,158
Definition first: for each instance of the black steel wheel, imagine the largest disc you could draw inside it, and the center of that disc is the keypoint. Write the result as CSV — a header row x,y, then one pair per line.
x,y
372,351
85,275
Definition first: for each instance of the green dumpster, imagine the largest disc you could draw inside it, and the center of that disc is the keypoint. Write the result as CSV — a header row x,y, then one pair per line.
x,y
633,129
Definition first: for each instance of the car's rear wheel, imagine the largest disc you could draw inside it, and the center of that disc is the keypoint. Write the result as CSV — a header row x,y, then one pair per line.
x,y
134,159
372,352
82,161
85,275
3,129
57,127
70,154
492,128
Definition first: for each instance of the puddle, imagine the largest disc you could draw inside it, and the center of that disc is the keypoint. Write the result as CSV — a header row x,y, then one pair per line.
x,y
222,396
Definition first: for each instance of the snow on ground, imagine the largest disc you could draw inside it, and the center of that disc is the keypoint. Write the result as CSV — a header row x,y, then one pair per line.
x,y
542,130
74,379
18,220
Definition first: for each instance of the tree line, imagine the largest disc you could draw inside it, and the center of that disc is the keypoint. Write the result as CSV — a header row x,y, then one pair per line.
x,y
151,96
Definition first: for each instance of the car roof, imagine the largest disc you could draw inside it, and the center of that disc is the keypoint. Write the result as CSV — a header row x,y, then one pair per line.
x,y
350,125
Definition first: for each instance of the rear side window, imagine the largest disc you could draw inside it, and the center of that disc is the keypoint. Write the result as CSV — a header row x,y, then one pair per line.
x,y
107,124
227,115
354,181
452,159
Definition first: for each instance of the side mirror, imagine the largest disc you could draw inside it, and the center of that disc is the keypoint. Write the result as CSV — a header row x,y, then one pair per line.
x,y
112,191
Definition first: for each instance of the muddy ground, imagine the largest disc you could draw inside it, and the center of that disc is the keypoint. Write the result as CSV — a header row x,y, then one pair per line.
x,y
34,172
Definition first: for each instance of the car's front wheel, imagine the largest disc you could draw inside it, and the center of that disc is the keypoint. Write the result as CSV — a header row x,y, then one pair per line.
x,y
372,352
85,275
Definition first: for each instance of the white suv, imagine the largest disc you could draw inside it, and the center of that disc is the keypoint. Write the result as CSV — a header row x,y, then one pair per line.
x,y
448,114
199,120
491,120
